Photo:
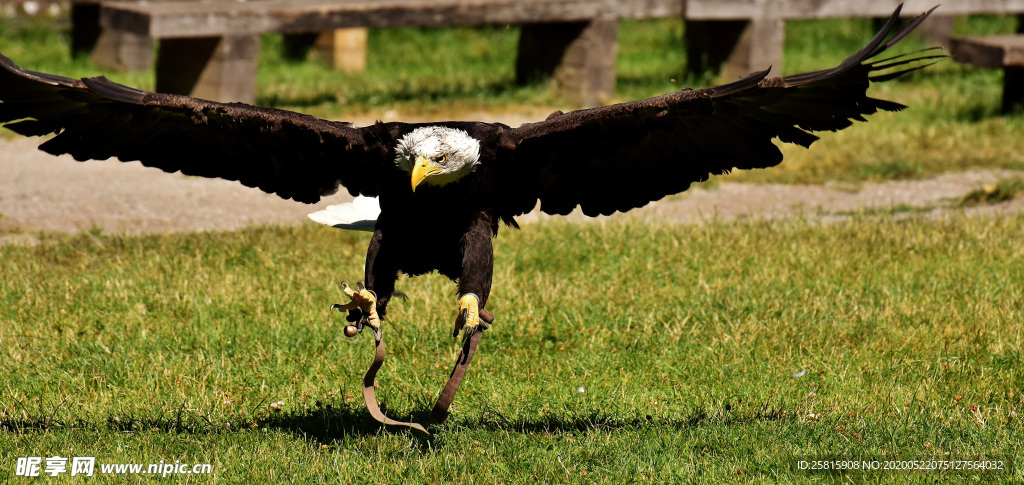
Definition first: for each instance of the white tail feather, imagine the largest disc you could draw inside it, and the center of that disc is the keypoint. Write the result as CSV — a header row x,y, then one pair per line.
x,y
359,215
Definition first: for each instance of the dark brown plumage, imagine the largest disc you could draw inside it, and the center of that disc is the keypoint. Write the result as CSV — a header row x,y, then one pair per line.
x,y
602,160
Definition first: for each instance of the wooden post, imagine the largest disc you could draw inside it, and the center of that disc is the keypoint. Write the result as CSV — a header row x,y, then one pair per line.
x,y
123,51
735,48
112,49
579,58
343,49
213,68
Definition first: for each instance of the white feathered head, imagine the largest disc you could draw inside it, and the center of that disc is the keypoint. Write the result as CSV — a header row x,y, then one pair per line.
x,y
437,155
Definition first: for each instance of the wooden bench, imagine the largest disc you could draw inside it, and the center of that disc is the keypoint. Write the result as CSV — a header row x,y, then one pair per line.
x,y
210,49
996,51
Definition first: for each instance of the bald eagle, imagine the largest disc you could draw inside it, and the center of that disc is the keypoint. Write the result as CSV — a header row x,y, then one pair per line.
x,y
445,188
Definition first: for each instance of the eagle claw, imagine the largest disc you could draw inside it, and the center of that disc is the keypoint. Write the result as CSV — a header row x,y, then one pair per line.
x,y
362,310
468,317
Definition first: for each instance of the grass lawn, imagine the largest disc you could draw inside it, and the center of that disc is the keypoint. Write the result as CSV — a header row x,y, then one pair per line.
x,y
622,351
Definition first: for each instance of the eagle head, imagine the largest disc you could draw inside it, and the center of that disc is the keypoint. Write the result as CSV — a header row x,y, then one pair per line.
x,y
437,155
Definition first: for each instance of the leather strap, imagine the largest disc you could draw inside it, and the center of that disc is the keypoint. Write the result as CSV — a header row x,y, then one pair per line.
x,y
444,401
370,393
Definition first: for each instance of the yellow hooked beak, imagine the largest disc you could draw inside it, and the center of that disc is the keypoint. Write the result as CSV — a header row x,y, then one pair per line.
x,y
423,168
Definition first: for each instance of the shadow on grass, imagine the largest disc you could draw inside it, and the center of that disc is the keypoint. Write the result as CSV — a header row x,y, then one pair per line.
x,y
556,424
329,424
323,425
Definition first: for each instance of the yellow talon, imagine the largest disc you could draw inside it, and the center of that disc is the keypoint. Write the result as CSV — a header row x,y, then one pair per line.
x,y
469,315
363,299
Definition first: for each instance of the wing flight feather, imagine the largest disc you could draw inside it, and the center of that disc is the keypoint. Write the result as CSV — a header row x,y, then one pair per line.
x,y
292,155
623,156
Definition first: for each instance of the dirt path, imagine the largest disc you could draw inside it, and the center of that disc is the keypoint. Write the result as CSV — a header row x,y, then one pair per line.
x,y
42,192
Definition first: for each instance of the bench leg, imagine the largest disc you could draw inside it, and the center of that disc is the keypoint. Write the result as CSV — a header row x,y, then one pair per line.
x,y
343,49
735,48
123,51
1013,88
111,49
579,58
213,68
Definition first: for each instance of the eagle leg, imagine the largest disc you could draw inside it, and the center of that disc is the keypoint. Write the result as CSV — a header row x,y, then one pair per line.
x,y
468,317
363,300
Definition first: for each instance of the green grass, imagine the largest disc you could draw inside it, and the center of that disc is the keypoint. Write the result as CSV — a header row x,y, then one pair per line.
x,y
685,339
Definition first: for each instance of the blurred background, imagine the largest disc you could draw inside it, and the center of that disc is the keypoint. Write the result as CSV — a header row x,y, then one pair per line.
x,y
518,72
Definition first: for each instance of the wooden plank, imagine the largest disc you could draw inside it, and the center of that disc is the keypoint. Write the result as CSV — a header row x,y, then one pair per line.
x,y
817,9
194,19
191,19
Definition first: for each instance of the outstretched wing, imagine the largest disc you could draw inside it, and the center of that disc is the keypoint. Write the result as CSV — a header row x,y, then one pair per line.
x,y
624,156
289,154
